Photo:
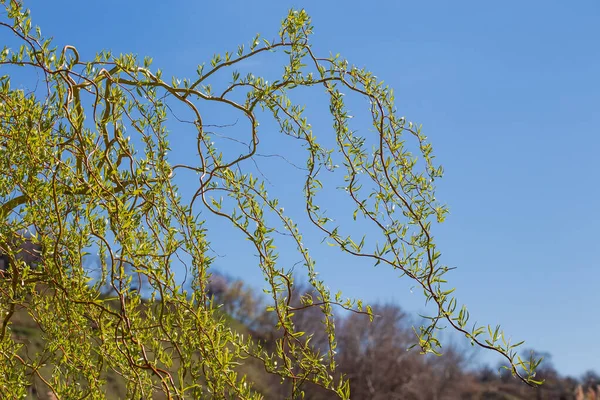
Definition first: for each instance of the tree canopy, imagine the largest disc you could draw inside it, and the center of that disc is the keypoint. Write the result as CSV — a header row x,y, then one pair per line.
x,y
85,166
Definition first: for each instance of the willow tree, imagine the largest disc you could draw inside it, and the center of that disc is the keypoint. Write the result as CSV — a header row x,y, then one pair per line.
x,y
70,175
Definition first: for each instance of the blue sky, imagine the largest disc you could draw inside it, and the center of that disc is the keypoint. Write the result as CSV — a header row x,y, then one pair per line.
x,y
508,94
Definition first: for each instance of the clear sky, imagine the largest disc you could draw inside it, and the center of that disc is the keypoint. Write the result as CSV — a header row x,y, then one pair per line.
x,y
509,95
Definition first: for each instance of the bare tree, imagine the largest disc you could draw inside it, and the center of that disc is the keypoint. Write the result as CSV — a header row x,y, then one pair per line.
x,y
374,356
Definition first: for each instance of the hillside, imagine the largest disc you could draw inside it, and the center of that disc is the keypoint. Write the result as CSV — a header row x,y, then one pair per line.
x,y
372,355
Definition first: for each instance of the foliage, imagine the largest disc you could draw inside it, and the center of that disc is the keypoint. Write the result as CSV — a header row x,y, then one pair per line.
x,y
372,356
85,165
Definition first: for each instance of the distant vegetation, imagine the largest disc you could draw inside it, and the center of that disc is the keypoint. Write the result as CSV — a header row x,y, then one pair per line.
x,y
373,356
